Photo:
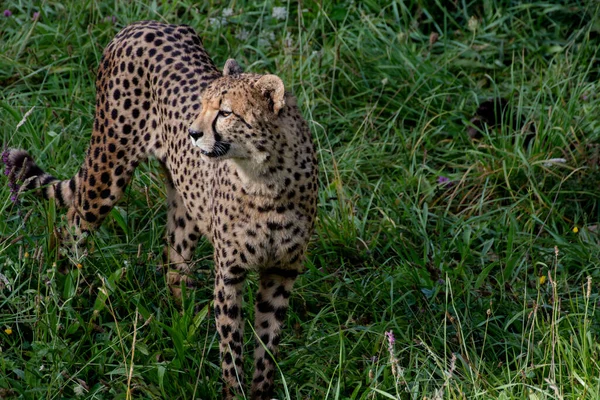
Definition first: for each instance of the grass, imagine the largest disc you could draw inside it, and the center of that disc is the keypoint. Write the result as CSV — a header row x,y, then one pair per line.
x,y
480,256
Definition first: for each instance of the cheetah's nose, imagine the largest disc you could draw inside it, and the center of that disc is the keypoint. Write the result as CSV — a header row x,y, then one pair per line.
x,y
195,135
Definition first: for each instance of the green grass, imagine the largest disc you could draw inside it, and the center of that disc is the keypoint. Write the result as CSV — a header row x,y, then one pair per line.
x,y
488,290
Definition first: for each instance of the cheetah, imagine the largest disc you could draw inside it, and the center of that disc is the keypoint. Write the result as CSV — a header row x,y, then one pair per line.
x,y
240,168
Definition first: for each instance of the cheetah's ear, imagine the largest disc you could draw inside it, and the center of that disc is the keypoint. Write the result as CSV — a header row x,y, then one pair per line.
x,y
271,86
232,68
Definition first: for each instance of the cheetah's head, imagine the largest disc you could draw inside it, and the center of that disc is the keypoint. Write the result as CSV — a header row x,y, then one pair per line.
x,y
239,117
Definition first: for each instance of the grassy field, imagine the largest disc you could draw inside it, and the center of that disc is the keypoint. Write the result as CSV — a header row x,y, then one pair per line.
x,y
442,267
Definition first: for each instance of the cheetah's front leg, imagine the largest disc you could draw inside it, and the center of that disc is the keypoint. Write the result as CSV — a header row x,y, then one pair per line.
x,y
182,238
272,302
229,283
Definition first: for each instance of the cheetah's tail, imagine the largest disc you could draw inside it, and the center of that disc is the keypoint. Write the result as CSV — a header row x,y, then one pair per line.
x,y
24,175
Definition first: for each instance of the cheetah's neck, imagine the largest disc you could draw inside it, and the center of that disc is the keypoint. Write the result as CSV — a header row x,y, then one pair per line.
x,y
257,179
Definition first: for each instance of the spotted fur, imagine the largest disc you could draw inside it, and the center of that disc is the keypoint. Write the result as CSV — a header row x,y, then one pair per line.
x,y
240,166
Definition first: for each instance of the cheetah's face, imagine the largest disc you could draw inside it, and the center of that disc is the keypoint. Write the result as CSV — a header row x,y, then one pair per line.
x,y
237,118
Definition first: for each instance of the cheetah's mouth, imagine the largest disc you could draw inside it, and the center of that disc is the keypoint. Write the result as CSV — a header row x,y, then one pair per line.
x,y
219,150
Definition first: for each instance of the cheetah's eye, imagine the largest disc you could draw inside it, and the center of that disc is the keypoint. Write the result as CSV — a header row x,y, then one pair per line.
x,y
225,114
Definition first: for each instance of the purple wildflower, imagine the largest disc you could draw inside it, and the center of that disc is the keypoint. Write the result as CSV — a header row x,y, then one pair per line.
x,y
393,360
5,154
14,190
7,13
111,19
443,180
390,337
36,16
